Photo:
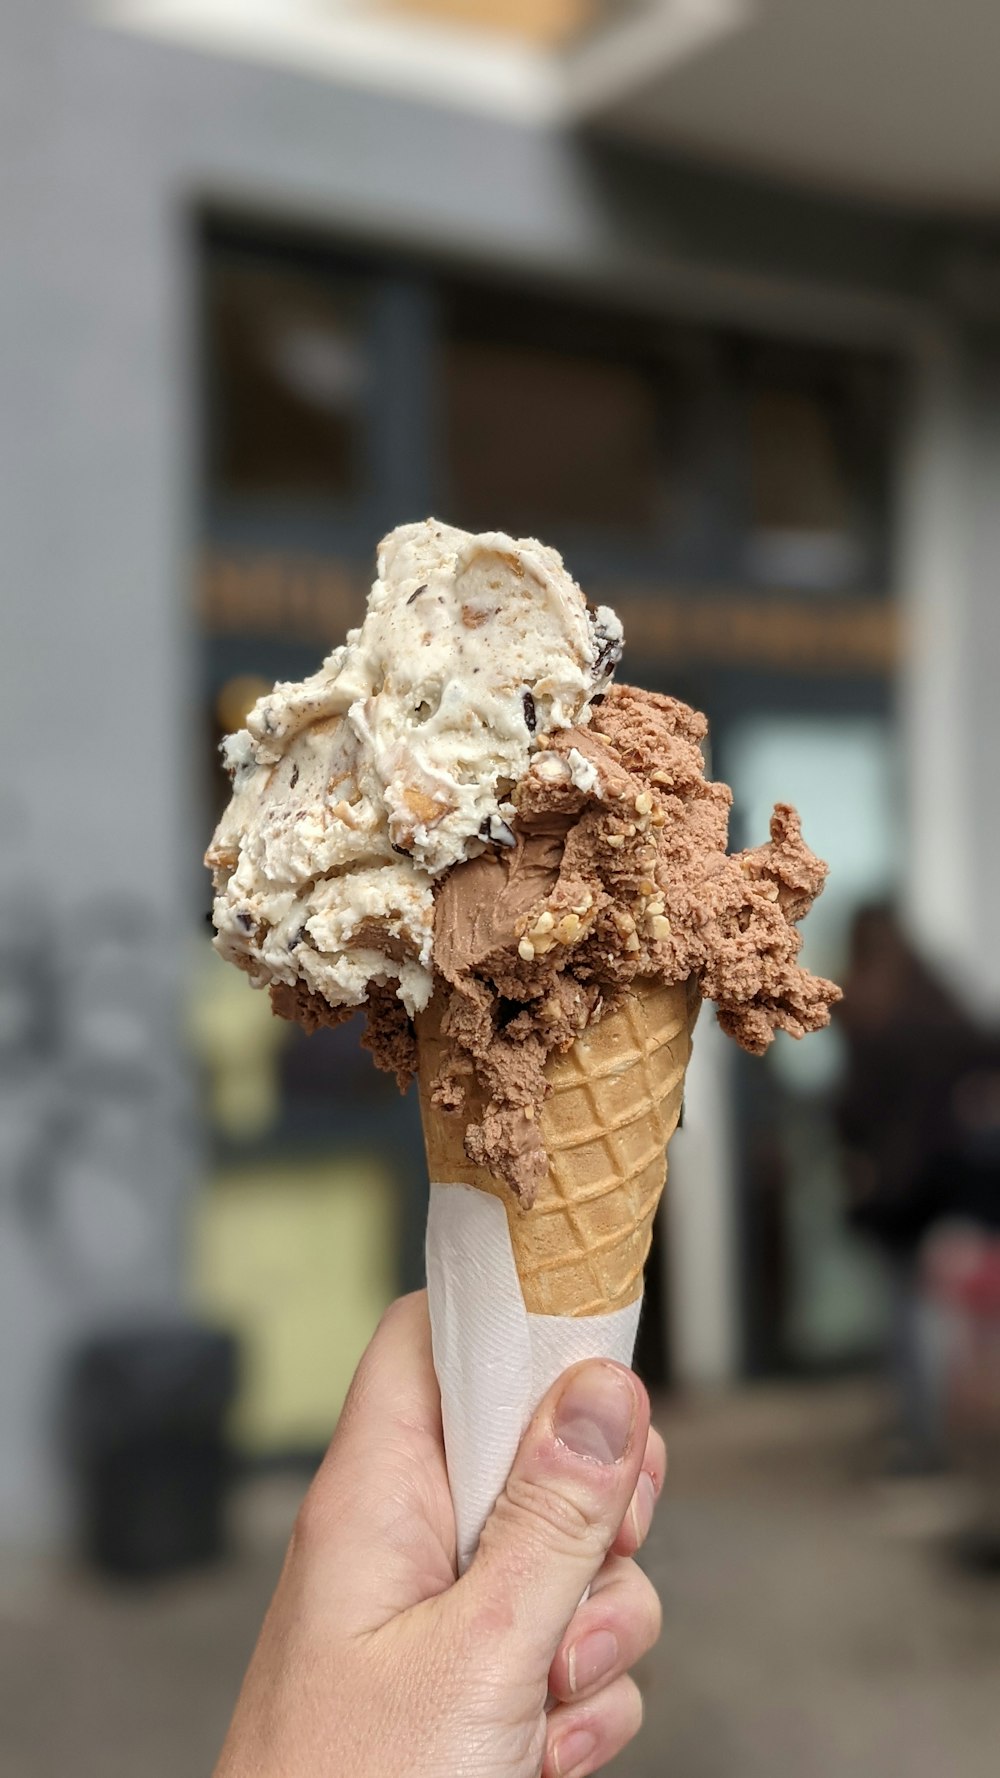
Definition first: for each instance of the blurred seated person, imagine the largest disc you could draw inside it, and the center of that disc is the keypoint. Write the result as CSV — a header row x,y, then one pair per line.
x,y
920,1125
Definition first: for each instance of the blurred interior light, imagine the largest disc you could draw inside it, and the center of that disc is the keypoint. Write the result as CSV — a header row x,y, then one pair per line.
x,y
549,23
810,561
237,698
319,366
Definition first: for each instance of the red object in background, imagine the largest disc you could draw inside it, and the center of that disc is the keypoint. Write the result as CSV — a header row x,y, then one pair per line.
x,y
963,1272
962,1277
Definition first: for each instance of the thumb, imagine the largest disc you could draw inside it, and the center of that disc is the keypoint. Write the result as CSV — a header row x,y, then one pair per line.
x,y
561,1509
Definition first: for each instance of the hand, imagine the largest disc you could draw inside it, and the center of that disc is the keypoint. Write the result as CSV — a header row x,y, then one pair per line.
x,y
374,1662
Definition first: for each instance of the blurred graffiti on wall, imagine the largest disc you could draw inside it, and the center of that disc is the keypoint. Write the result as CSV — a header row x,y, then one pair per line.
x,y
85,1025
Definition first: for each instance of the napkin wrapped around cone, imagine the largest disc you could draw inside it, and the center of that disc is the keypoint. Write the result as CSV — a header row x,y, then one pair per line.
x,y
578,1252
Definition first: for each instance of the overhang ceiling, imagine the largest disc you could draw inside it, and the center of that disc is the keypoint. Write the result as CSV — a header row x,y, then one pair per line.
x,y
896,99
886,99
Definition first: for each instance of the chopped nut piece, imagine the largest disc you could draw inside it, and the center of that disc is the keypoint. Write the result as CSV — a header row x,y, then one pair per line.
x,y
474,616
659,927
632,942
426,808
568,928
526,950
659,778
646,886
529,1112
615,840
545,921
643,803
656,905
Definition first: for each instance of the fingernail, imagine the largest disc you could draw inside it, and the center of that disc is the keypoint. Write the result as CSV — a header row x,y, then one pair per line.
x,y
590,1658
572,1750
596,1412
643,1506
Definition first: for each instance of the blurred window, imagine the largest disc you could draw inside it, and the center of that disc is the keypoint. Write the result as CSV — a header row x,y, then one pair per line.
x,y
287,376
796,479
534,438
562,420
819,436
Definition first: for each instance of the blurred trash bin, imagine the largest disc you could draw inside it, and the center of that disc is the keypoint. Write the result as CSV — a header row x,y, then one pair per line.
x,y
146,1418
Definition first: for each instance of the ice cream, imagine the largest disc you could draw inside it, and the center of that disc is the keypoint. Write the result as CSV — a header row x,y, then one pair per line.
x,y
520,871
356,790
460,804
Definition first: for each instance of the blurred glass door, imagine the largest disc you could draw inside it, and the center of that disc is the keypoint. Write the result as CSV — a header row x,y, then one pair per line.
x,y
811,1293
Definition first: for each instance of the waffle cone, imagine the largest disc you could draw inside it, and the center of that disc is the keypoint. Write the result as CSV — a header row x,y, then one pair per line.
x,y
613,1106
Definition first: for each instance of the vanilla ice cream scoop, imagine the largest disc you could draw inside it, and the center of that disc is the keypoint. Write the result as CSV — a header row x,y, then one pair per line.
x,y
355,789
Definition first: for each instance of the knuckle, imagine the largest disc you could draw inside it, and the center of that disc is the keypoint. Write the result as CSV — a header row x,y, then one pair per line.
x,y
396,1311
633,1706
551,1516
311,1524
651,1613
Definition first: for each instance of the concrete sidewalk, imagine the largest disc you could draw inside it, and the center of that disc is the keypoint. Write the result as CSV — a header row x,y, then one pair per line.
x,y
814,1626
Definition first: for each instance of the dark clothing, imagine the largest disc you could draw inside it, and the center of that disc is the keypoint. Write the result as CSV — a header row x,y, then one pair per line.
x,y
904,1119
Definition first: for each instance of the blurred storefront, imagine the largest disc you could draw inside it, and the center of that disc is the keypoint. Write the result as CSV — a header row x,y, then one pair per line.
x,y
730,494
263,303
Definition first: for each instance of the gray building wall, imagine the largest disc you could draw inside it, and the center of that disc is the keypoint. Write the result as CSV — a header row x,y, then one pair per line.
x,y
107,146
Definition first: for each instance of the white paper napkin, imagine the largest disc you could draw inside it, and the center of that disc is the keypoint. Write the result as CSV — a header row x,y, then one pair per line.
x,y
494,1361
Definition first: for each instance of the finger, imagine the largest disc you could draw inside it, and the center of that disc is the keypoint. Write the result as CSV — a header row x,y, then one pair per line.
x,y
385,1464
649,1487
608,1633
583,1737
562,1507
395,1381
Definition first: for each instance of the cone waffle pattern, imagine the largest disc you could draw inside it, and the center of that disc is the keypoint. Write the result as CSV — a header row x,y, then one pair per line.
x,y
614,1104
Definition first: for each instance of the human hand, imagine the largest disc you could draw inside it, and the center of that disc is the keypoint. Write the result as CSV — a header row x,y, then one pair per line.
x,y
375,1662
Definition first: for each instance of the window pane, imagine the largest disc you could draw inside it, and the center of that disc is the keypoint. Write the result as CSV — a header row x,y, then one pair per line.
x,y
287,372
820,443
551,419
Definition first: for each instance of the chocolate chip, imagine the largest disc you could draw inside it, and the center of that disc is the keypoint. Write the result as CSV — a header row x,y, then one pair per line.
x,y
295,773
599,697
495,830
416,595
530,713
608,652
297,940
403,853
607,648
246,921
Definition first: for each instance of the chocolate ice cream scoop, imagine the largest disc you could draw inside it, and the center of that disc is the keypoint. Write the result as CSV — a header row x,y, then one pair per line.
x,y
623,880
